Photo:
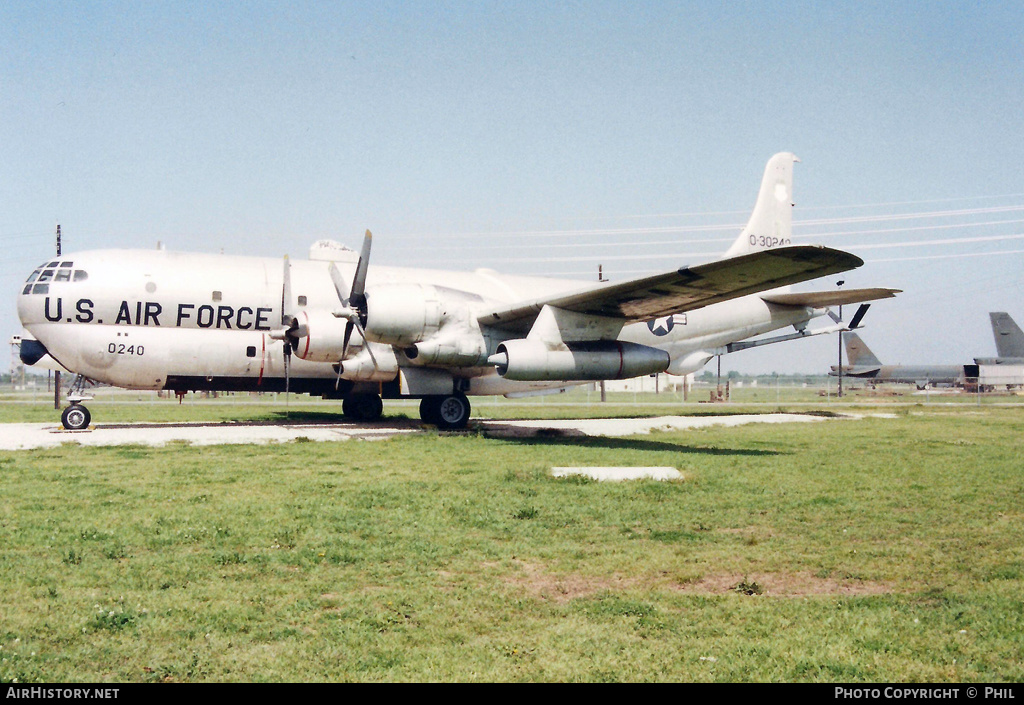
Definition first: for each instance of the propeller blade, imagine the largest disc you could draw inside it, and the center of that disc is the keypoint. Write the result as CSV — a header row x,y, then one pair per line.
x,y
286,294
366,343
834,317
339,283
359,281
287,366
357,299
855,322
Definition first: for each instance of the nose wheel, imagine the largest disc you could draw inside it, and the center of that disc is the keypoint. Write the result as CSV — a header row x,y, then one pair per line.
x,y
76,417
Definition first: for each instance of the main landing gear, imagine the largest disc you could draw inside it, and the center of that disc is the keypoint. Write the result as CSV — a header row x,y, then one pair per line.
x,y
447,412
362,407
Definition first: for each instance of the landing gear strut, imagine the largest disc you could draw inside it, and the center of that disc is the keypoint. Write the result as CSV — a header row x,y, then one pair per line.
x,y
446,412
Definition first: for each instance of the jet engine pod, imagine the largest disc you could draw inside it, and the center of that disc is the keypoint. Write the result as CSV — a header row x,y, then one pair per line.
x,y
320,337
531,360
402,314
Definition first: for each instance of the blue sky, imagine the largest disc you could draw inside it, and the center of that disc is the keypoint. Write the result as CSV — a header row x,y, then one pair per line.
x,y
544,137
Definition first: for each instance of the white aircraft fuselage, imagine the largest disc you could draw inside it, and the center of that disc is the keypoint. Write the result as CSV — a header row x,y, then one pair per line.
x,y
335,326
142,319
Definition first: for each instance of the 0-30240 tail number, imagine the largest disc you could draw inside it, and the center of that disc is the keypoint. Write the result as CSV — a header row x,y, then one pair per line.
x,y
122,349
767,241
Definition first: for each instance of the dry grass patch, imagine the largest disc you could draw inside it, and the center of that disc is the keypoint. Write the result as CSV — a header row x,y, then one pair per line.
x,y
561,588
800,584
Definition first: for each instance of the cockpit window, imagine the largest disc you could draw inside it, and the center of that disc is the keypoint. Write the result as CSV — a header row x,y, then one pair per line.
x,y
38,281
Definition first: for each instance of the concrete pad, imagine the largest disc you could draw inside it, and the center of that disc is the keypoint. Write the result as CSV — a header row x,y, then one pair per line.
x,y
618,474
25,436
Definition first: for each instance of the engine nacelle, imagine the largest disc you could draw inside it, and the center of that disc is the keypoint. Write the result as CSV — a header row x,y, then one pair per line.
x,y
402,314
322,336
689,363
531,360
382,366
454,346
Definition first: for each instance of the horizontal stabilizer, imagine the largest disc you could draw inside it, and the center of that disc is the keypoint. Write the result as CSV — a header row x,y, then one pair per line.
x,y
821,299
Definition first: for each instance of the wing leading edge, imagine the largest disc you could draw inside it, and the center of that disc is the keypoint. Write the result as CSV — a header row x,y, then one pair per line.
x,y
686,289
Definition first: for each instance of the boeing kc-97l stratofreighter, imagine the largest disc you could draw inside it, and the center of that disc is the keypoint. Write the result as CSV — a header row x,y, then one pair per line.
x,y
337,327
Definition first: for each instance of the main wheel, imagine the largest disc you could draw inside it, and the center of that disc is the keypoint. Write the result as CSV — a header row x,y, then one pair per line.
x,y
362,407
75,417
446,412
430,410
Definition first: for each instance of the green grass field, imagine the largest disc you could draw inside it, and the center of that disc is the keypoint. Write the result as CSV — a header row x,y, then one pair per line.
x,y
880,549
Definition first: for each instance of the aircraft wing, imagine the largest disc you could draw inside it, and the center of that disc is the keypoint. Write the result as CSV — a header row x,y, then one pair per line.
x,y
821,299
685,289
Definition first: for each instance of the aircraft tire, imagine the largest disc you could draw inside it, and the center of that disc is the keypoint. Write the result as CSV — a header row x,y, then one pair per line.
x,y
362,407
76,417
429,410
448,412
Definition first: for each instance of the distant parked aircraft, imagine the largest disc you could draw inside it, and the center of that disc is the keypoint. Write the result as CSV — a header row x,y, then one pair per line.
x,y
864,365
1007,368
1009,341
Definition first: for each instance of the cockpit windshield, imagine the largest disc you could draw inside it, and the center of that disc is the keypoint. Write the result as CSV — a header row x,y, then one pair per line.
x,y
39,281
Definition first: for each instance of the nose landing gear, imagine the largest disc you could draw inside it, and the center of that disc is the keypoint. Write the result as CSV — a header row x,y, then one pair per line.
x,y
76,417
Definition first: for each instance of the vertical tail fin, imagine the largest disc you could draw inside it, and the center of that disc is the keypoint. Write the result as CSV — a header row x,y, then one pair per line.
x,y
1009,338
857,353
771,223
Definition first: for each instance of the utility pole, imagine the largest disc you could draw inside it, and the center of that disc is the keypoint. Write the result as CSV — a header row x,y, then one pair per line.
x,y
600,278
840,371
56,374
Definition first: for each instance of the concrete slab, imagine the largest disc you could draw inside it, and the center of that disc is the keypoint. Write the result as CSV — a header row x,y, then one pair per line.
x,y
25,436
618,474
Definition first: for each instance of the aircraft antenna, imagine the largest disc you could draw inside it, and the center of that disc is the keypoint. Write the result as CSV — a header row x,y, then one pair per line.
x,y
56,374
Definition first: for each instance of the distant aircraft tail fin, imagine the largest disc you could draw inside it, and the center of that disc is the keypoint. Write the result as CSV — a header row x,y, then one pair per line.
x,y
771,223
857,353
1009,338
